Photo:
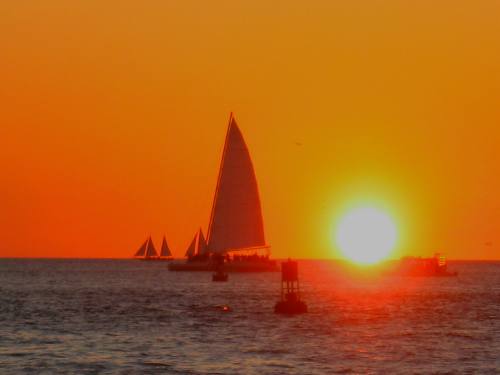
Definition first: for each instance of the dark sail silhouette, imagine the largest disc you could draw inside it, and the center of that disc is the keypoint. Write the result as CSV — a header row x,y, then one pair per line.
x,y
147,251
192,247
151,250
165,250
236,220
202,243
142,250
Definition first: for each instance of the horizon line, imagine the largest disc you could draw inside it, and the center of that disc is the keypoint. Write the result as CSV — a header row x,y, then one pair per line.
x,y
285,258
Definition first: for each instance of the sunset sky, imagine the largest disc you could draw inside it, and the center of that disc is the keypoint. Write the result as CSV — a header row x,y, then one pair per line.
x,y
113,117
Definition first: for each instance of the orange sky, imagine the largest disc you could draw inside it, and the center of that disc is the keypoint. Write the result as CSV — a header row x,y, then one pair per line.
x,y
113,116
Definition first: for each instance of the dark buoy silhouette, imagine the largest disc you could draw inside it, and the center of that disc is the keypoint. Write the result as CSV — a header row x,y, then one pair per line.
x,y
219,274
290,302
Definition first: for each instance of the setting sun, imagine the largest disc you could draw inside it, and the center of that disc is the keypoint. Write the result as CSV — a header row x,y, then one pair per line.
x,y
366,235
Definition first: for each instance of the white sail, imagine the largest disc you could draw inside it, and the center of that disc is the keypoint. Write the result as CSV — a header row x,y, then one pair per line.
x,y
236,219
192,247
150,250
165,251
202,243
142,249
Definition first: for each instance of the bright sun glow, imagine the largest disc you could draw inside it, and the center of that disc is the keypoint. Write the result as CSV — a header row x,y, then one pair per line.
x,y
366,235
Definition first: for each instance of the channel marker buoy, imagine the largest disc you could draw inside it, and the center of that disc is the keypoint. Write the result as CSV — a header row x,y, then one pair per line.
x,y
290,302
219,274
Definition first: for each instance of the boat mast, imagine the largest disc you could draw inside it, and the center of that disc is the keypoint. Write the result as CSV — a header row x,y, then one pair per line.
x,y
209,233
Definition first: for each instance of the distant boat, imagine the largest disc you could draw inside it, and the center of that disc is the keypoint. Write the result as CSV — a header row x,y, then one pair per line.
x,y
197,250
191,250
236,228
147,251
198,246
165,253
417,266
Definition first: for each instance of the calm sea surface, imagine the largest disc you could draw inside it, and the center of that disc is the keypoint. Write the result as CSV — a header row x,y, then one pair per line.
x,y
133,317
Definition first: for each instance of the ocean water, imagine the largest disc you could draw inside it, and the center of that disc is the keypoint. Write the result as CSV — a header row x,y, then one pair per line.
x,y
133,317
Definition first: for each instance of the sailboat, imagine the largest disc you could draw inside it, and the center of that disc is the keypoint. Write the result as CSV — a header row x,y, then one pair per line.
x,y
147,251
197,250
236,226
191,251
165,253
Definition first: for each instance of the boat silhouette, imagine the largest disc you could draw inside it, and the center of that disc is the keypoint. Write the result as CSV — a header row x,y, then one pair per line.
x,y
426,267
236,227
147,251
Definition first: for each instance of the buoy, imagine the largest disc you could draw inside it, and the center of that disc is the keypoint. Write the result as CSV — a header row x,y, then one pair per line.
x,y
224,308
290,302
219,274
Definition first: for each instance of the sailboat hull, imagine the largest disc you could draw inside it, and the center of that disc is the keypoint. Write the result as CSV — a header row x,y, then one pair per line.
x,y
156,259
270,266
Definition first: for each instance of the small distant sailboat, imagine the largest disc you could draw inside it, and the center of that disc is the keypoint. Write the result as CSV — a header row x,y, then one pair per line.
x,y
191,250
147,251
202,244
236,228
198,248
165,253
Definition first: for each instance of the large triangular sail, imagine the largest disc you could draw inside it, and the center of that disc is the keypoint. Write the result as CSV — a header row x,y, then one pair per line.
x,y
165,250
236,219
192,247
142,249
150,250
